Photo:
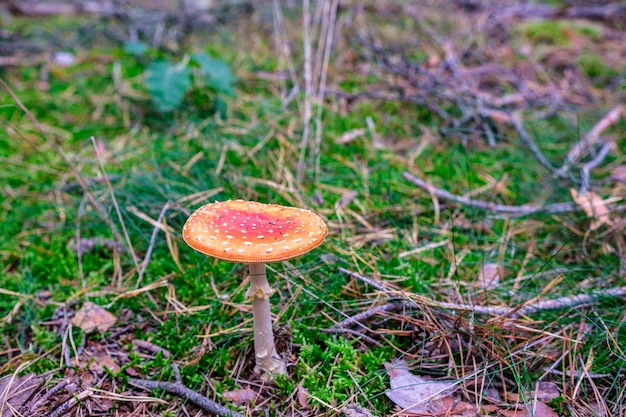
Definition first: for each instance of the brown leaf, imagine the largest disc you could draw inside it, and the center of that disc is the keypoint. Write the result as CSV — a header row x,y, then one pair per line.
x,y
414,393
594,206
303,397
103,361
15,392
240,396
546,391
93,317
536,409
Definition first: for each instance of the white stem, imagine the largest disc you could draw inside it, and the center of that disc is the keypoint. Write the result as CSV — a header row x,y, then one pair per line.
x,y
268,362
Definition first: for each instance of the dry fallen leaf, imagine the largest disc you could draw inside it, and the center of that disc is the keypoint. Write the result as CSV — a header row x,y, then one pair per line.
x,y
488,275
414,393
103,361
240,396
15,391
303,397
546,391
594,206
93,317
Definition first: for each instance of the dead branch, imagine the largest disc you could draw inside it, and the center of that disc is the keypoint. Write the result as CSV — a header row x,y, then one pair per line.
x,y
546,11
186,393
358,318
71,403
532,306
585,171
355,333
530,143
516,211
151,347
592,137
45,397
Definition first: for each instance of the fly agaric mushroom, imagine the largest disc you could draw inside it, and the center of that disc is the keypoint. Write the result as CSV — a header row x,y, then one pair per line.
x,y
255,233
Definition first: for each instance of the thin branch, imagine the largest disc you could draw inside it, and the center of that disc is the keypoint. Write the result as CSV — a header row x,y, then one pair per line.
x,y
530,143
45,397
585,171
414,300
358,318
592,137
355,333
521,210
186,393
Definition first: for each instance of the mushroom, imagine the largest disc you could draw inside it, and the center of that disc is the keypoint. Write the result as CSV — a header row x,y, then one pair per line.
x,y
255,233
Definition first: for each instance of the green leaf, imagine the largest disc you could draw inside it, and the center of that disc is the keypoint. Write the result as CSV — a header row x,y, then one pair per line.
x,y
167,84
135,48
217,72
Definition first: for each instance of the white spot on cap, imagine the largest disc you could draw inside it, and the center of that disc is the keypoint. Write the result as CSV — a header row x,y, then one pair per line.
x,y
247,243
269,250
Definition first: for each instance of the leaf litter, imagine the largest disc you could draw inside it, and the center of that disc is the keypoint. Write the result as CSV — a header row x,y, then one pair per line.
x,y
414,393
92,317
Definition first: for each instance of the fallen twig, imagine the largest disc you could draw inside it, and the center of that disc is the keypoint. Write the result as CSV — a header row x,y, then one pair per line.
x,y
546,11
151,347
585,171
358,318
414,300
45,397
71,403
186,393
530,143
592,137
355,333
521,210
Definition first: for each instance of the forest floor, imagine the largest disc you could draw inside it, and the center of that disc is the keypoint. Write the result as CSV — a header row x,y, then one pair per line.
x,y
468,157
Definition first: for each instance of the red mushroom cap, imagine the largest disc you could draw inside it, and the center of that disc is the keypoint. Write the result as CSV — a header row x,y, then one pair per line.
x,y
251,232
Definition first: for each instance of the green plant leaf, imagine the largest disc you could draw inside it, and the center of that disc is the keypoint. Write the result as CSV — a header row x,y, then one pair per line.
x,y
167,84
217,72
135,48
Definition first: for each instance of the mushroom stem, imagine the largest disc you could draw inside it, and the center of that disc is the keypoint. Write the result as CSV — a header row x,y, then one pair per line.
x,y
268,362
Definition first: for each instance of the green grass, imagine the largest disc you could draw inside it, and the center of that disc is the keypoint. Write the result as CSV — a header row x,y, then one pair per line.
x,y
200,315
